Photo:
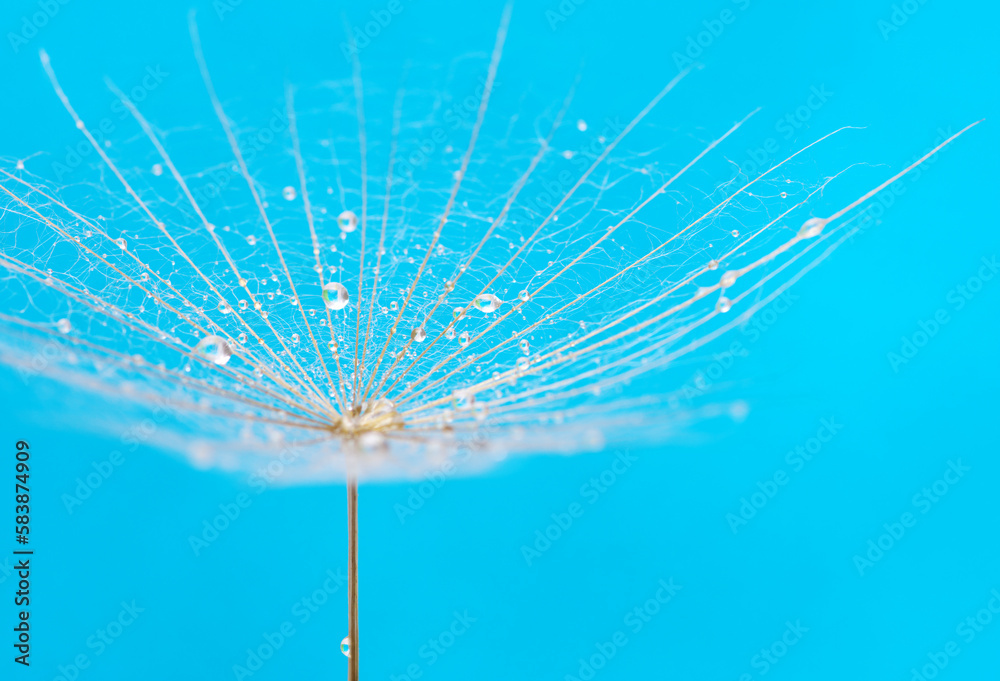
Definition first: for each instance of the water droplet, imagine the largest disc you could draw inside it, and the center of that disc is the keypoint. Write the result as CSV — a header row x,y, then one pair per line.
x,y
463,339
224,307
735,232
345,646
449,286
418,335
728,279
332,345
63,325
157,169
242,338
723,305
524,296
243,305
394,306
581,125
215,349
19,165
784,195
288,193
252,240
450,333
568,154
348,221
812,227
335,296
243,282
121,243
487,302
295,339
523,345
457,312
522,363
713,264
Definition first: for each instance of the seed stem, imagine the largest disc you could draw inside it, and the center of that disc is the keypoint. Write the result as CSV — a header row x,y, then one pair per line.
x,y
352,576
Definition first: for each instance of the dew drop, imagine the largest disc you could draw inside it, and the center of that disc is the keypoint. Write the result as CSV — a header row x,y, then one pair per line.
x,y
19,165
812,227
728,279
418,335
288,193
523,345
295,339
487,302
335,296
348,221
735,232
524,296
723,305
157,169
581,125
345,646
394,306
242,338
243,282
463,339
450,333
713,264
224,308
121,243
252,240
243,305
522,363
449,286
784,195
64,326
457,312
215,349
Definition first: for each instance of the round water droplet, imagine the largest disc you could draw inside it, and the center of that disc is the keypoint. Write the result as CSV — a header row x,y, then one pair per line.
x,y
252,240
723,305
348,221
418,335
243,282
463,339
64,326
332,345
728,279
335,296
242,338
713,264
784,195
224,308
487,302
457,312
215,349
812,227
157,169
121,243
295,338
450,333
243,305
581,125
288,193
523,345
345,646
524,296
735,232
449,286
522,363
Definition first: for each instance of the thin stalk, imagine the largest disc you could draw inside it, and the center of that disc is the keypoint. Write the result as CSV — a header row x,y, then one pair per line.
x,y
352,576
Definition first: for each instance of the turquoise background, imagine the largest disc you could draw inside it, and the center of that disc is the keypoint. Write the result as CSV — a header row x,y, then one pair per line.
x,y
665,517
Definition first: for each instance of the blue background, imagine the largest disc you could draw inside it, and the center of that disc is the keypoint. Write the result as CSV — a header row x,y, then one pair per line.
x,y
826,357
